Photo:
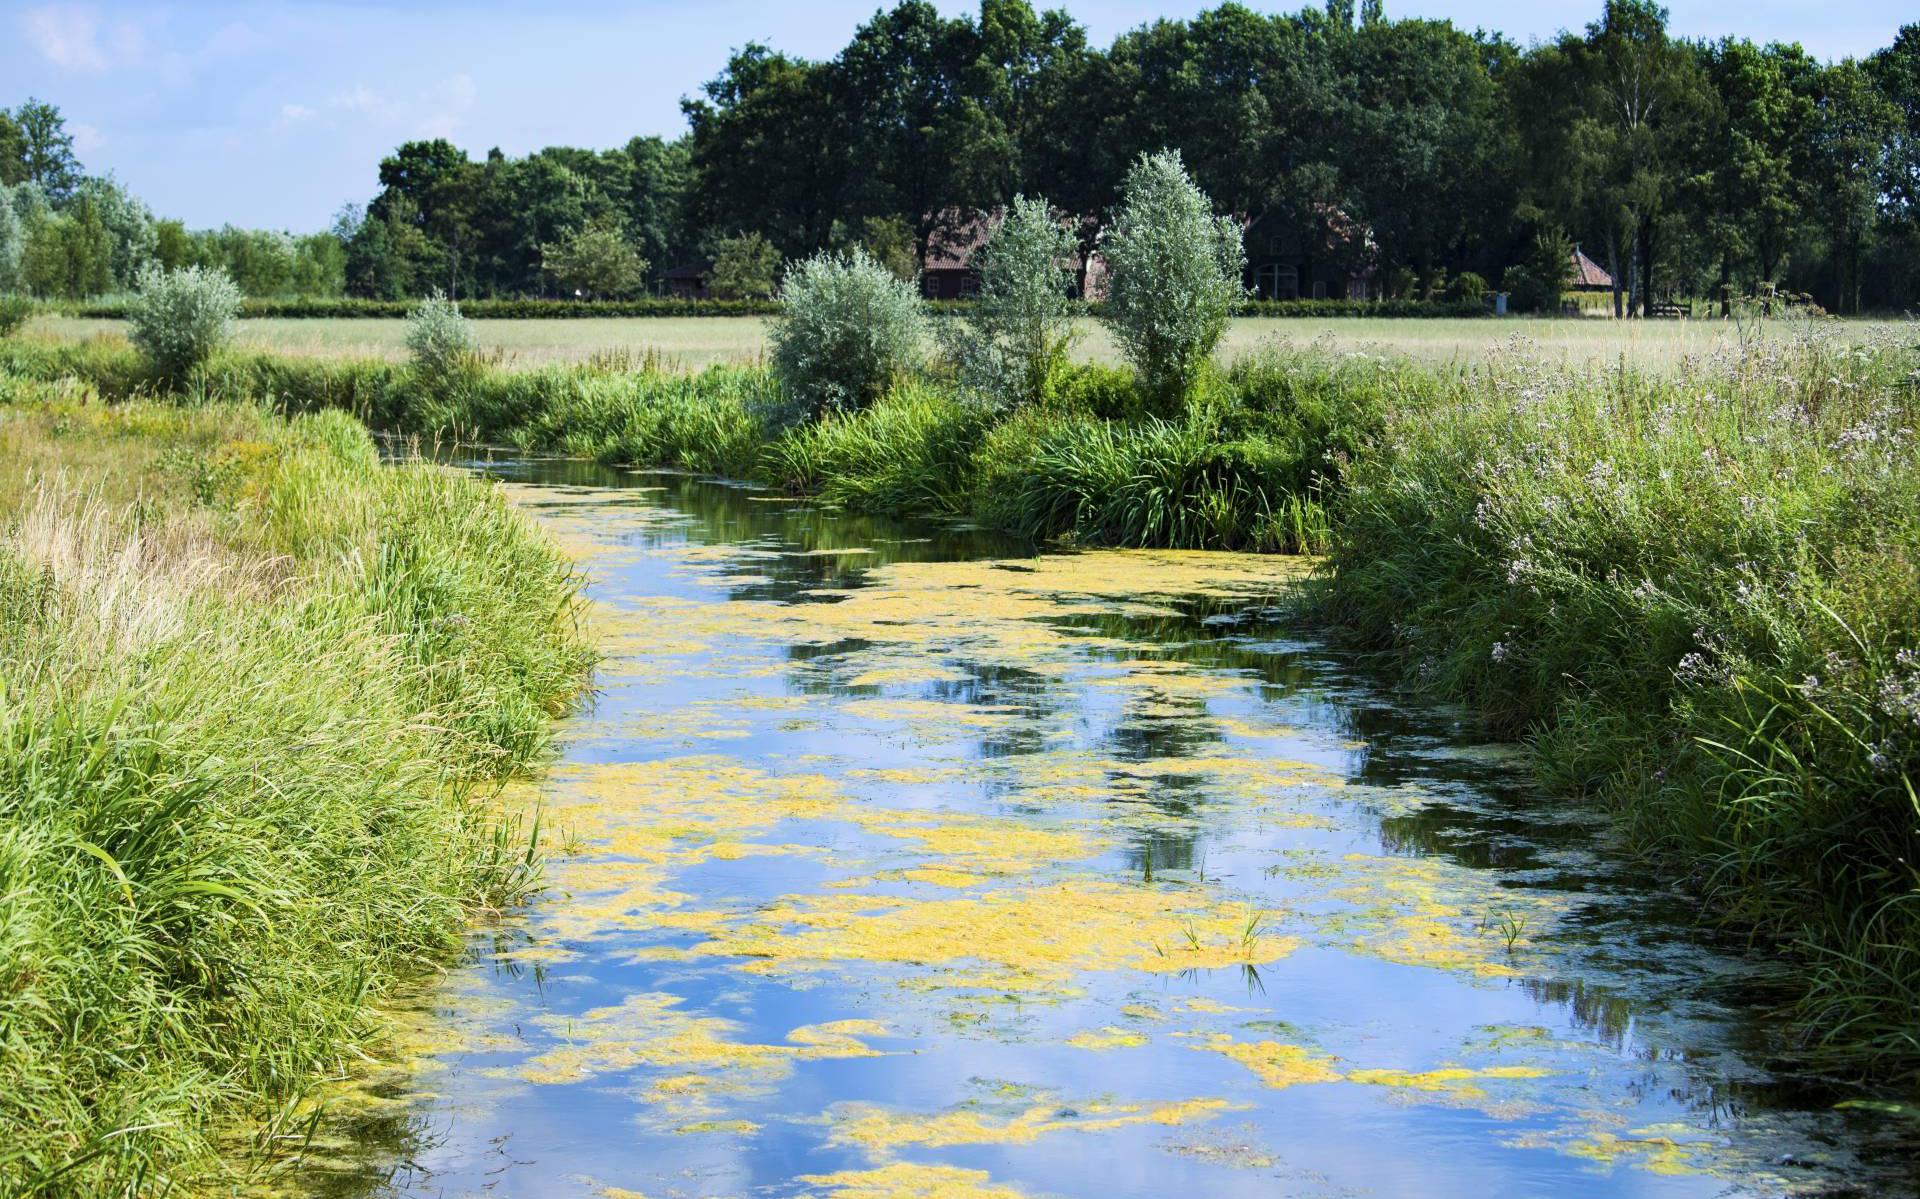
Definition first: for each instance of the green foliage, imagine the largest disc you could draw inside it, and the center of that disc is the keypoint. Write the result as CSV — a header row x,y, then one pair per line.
x,y
595,261
1695,596
1016,339
1174,275
440,339
13,238
1466,288
847,330
15,311
910,453
247,788
178,319
744,268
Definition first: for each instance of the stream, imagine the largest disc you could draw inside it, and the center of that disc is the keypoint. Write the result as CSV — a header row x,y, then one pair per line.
x,y
892,860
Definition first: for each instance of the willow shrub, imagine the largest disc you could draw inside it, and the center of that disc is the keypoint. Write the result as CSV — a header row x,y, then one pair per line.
x,y
847,331
258,690
1697,597
179,319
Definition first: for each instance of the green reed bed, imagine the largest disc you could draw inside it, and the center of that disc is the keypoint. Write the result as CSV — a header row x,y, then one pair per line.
x,y
1699,599
257,693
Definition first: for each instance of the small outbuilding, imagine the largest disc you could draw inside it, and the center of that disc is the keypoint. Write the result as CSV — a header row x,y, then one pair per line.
x,y
688,281
1588,275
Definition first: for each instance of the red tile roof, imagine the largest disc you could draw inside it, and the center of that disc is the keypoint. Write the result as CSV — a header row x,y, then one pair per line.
x,y
1587,273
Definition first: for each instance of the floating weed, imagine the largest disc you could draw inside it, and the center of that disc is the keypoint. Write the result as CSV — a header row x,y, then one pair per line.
x,y
1108,1038
903,1180
882,1131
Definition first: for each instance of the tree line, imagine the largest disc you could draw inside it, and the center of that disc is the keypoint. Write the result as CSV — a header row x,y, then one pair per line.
x,y
65,234
1718,168
1405,148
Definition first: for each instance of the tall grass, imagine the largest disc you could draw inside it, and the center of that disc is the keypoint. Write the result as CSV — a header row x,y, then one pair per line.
x,y
258,692
1698,599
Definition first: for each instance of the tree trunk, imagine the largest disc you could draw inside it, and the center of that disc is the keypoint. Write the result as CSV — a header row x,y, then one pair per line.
x,y
1646,268
1613,271
1726,286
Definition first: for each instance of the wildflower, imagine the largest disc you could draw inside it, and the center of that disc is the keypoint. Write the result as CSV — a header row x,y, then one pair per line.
x,y
1499,651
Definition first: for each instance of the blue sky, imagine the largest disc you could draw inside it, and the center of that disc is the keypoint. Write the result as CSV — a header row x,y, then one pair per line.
x,y
275,114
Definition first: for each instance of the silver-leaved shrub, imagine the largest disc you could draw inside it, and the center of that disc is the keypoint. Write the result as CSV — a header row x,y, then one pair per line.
x,y
1174,274
847,329
1009,349
178,319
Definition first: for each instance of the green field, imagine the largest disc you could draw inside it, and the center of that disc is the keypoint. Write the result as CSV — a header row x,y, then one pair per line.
x,y
701,341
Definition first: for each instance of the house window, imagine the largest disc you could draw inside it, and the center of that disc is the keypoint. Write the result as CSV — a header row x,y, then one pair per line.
x,y
1272,281
1319,289
1276,244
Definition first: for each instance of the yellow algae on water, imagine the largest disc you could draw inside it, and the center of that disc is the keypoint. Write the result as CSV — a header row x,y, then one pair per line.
x,y
649,1029
739,1128
1461,1082
1040,935
1108,1038
881,1130
1430,912
1651,1149
1275,1064
905,1180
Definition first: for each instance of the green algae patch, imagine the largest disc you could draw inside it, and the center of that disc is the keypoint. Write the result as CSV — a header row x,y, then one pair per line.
x,y
905,1180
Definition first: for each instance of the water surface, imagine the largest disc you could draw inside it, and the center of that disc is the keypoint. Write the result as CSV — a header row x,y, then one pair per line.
x,y
903,862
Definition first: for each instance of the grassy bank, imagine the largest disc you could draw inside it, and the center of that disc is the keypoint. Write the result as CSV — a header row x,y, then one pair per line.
x,y
1700,601
259,692
1692,591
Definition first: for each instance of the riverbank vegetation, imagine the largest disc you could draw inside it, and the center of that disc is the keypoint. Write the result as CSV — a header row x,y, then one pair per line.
x,y
1692,591
259,693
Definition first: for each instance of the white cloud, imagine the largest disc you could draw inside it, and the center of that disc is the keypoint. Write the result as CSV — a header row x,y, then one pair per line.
x,y
74,37
436,111
295,112
86,138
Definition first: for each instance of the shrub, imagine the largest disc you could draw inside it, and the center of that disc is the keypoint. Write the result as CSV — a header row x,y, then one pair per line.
x,y
179,318
847,331
1466,288
14,312
440,339
1175,273
1013,344
744,268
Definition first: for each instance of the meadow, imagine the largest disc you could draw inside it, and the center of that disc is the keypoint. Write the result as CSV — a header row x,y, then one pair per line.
x,y
694,342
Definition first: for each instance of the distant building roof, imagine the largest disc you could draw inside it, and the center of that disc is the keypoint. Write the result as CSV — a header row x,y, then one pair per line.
x,y
1588,273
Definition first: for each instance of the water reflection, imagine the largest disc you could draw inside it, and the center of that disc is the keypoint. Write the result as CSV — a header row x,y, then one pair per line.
x,y
906,875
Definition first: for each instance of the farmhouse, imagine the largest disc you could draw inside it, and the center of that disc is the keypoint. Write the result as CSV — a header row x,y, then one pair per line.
x,y
1330,258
